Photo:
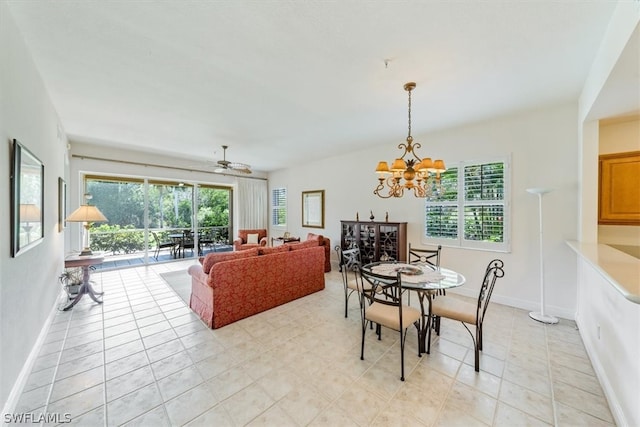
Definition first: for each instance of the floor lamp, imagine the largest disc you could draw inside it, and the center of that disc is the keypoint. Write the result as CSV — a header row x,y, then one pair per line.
x,y
541,316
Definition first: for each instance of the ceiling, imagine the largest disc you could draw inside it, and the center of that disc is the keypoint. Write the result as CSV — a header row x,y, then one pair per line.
x,y
281,82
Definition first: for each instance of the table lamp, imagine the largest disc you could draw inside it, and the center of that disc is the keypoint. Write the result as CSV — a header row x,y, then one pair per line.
x,y
29,213
87,214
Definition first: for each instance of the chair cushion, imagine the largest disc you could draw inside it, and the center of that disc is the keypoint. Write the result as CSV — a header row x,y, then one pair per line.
x,y
273,250
452,308
352,284
216,257
252,238
388,315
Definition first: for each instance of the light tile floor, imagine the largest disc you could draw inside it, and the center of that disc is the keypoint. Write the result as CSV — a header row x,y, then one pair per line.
x,y
144,359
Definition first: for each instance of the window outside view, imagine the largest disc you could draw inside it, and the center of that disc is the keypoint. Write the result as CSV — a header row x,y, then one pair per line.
x,y
171,232
479,213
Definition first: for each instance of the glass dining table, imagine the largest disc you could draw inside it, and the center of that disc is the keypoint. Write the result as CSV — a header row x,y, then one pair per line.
x,y
426,280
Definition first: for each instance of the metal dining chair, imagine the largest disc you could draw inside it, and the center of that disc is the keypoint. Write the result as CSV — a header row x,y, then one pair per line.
x,y
430,257
425,256
467,313
350,264
387,309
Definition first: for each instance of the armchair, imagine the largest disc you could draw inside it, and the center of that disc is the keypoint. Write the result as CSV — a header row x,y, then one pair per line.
x,y
242,241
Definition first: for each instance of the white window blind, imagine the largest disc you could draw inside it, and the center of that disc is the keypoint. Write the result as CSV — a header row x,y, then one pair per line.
x,y
279,207
472,210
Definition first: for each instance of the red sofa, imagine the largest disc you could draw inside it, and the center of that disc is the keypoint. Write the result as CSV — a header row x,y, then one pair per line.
x,y
325,242
241,284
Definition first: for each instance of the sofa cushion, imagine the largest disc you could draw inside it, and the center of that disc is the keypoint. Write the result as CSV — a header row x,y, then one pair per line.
x,y
273,250
252,238
304,245
215,257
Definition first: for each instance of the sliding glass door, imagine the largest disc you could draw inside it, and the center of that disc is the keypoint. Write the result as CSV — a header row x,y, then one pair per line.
x,y
153,220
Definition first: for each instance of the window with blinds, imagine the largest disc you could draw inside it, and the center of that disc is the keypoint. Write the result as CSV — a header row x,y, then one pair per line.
x,y
472,211
279,207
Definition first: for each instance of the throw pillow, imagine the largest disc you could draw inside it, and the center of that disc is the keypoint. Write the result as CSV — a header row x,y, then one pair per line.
x,y
316,237
216,257
252,239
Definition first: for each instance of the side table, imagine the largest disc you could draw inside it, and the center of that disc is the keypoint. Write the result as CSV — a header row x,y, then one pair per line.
x,y
283,240
85,262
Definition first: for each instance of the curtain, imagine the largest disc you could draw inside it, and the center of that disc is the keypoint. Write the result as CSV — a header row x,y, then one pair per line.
x,y
252,204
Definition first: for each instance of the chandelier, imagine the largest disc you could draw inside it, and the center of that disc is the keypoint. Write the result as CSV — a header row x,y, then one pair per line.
x,y
420,175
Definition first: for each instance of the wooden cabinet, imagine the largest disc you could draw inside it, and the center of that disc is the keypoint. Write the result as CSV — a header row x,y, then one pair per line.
x,y
619,189
378,241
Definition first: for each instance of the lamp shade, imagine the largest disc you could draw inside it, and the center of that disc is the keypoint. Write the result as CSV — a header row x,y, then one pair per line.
x,y
399,165
425,165
29,213
439,167
86,213
382,168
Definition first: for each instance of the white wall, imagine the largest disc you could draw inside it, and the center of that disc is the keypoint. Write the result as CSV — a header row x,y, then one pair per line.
x,y
28,283
543,147
609,329
598,302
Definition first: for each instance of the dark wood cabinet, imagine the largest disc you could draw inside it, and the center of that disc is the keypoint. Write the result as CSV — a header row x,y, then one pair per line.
x,y
378,241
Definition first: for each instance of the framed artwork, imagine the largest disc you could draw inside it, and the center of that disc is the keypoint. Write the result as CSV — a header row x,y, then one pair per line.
x,y
27,200
62,204
313,209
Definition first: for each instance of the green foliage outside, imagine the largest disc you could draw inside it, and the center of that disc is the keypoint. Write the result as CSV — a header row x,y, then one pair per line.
x,y
116,239
169,207
482,222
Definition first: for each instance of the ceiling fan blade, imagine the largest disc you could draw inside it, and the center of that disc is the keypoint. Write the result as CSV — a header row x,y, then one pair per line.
x,y
242,170
224,164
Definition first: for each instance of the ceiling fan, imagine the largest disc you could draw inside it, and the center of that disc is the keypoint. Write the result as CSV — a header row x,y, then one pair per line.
x,y
225,165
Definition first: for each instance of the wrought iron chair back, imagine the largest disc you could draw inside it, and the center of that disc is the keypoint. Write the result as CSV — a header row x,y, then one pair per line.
x,y
386,309
471,313
350,264
425,256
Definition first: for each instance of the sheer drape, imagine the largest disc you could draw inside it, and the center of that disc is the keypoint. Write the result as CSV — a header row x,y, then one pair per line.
x,y
252,204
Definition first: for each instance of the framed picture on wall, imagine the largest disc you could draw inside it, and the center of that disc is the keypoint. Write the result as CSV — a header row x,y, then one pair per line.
x,y
62,204
313,209
27,200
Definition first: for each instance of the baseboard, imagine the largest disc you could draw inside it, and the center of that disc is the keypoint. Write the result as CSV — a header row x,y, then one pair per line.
x,y
517,303
18,386
609,392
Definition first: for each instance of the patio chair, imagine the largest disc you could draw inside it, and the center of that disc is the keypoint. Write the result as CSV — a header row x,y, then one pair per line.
x,y
163,245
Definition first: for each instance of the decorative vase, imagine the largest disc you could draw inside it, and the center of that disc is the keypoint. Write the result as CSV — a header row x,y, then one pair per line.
x,y
357,216
386,217
372,217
